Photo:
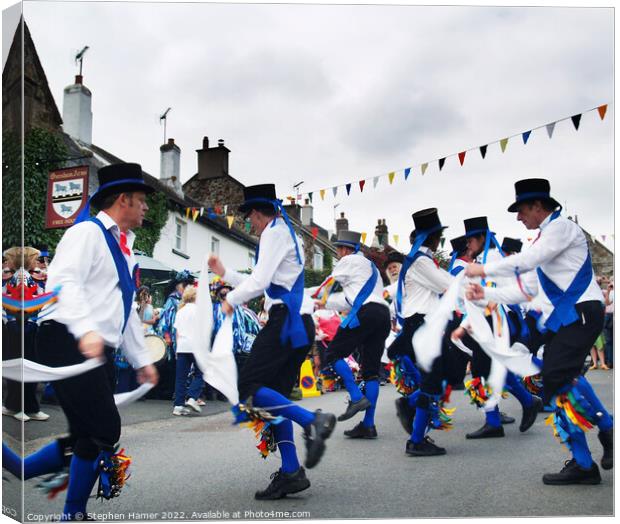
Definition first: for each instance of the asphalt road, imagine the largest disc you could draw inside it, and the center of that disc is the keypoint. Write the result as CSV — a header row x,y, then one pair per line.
x,y
198,468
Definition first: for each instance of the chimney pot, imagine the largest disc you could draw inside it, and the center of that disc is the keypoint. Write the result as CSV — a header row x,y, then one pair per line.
x,y
220,143
342,214
205,142
171,141
78,79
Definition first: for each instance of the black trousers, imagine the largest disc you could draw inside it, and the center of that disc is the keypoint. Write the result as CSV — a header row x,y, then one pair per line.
x,y
87,399
566,350
455,360
271,364
12,348
369,338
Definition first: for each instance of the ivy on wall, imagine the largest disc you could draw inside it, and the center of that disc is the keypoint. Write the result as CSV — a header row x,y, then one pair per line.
x,y
155,219
43,152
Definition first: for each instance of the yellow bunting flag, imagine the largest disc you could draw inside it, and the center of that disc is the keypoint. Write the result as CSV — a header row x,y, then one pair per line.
x,y
230,219
424,166
391,176
396,237
602,110
187,210
503,143
322,194
363,238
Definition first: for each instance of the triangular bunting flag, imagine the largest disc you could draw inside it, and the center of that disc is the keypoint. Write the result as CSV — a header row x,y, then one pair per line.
x,y
526,136
335,190
604,237
424,166
348,186
602,110
247,226
218,210
322,192
462,157
230,219
483,151
407,173
202,211
195,214
226,209
362,183
442,161
363,238
503,143
315,232
374,182
576,119
550,128
391,177
187,210
396,237
443,241
310,197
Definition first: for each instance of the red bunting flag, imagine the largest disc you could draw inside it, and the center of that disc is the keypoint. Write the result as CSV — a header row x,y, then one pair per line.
x,y
315,232
362,182
602,110
462,157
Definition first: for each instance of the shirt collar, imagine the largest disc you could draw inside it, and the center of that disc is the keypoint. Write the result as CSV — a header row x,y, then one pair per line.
x,y
545,222
108,223
426,249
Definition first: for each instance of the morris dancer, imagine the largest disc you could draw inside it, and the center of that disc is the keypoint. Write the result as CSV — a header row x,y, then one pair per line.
x,y
280,348
94,315
482,243
563,265
365,328
421,281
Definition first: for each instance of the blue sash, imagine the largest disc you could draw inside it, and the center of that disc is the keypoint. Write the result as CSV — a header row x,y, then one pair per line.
x,y
293,330
452,261
456,270
352,321
521,331
564,312
125,279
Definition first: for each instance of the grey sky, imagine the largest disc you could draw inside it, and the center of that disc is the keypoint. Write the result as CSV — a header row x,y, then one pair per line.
x,y
335,94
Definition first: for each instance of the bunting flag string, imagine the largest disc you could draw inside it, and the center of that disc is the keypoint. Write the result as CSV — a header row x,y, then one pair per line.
x,y
503,144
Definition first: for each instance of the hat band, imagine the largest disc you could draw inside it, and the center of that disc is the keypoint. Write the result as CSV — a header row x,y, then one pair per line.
x,y
477,232
530,196
122,181
261,200
429,231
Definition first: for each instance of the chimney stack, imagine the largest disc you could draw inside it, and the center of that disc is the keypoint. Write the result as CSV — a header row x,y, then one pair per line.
x,y
306,213
381,232
170,166
77,114
342,224
212,161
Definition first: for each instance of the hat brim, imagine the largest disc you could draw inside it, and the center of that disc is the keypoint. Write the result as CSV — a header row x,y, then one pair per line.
x,y
344,244
514,207
99,196
248,206
417,232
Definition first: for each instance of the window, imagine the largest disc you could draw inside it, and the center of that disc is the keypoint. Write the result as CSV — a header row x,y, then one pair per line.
x,y
215,246
317,262
180,235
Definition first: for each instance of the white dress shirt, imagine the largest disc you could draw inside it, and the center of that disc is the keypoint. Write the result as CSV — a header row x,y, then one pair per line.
x,y
90,297
352,272
424,282
185,325
277,263
560,251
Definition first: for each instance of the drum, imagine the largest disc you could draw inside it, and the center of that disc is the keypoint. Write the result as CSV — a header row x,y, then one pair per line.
x,y
156,346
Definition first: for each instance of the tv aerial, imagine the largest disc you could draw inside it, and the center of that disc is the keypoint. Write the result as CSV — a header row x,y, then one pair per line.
x,y
164,117
79,57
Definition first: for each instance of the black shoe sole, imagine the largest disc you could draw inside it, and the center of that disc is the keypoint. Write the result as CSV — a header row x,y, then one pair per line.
x,y
424,454
318,446
355,410
590,482
282,494
532,411
469,436
367,437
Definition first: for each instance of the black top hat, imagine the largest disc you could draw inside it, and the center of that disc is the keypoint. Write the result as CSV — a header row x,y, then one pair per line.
x,y
532,189
260,195
475,226
394,256
427,221
348,239
119,178
511,245
459,244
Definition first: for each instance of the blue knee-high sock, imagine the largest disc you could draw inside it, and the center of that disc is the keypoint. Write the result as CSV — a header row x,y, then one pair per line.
x,y
343,369
411,369
492,417
579,449
46,460
372,394
420,423
286,444
518,390
268,398
82,476
604,420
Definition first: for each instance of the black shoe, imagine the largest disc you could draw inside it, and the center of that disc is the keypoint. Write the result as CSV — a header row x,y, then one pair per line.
x,y
486,431
361,431
283,484
315,434
505,419
573,473
354,407
405,414
607,440
426,448
529,414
